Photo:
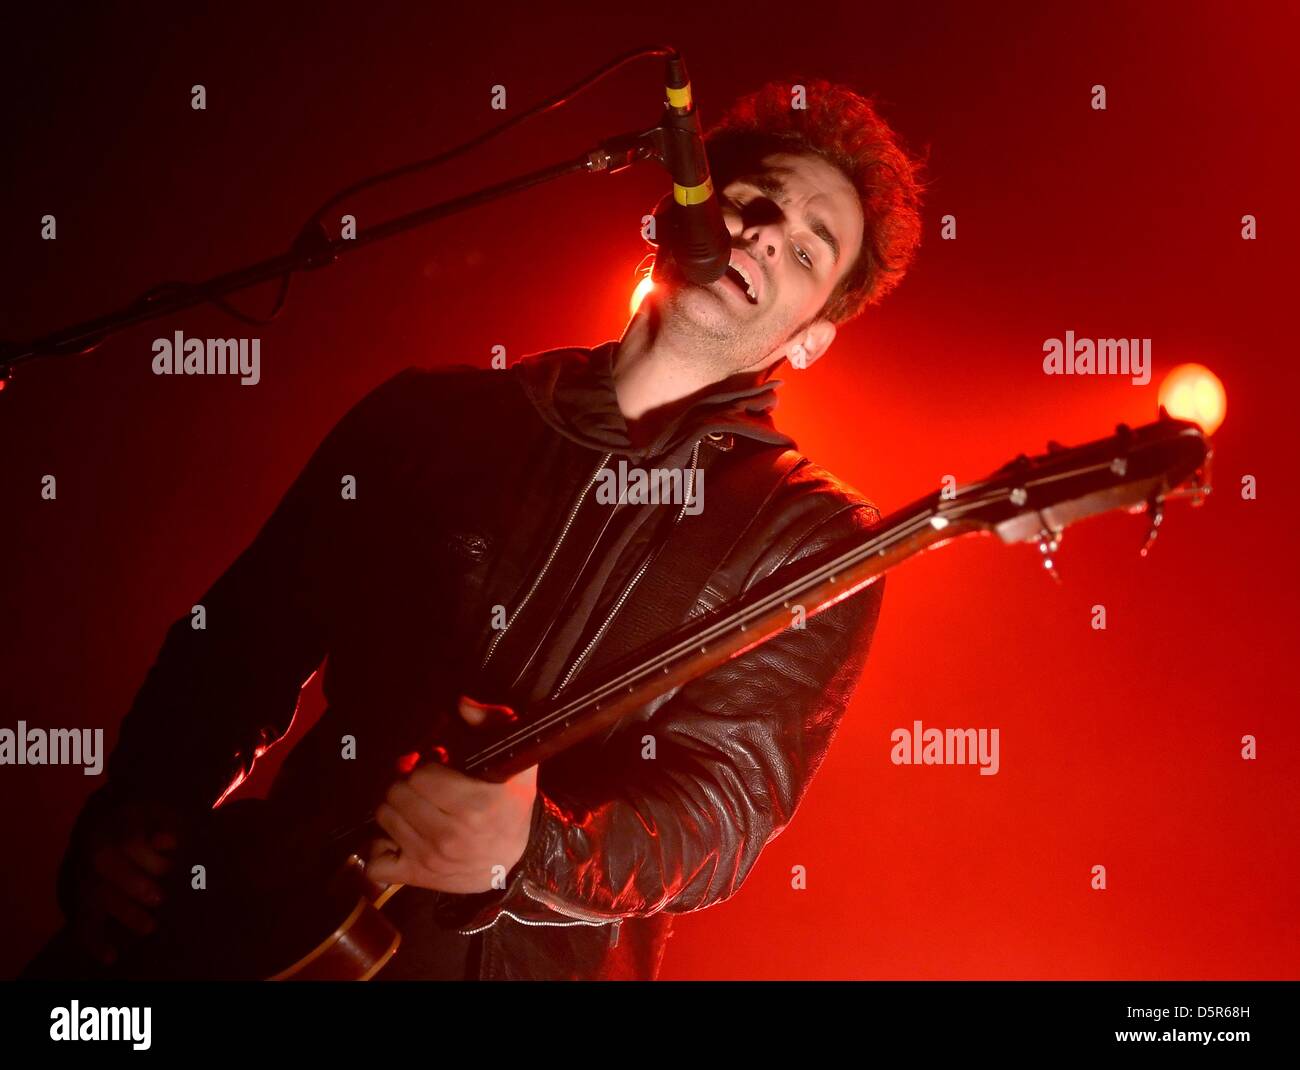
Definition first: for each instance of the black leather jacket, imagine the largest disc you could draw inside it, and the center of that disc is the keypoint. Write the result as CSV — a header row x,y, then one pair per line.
x,y
473,491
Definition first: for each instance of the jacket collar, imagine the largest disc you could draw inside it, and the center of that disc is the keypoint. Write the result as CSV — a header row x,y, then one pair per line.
x,y
573,391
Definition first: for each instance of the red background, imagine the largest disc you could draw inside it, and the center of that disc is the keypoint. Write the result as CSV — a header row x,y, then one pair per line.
x,y
1119,748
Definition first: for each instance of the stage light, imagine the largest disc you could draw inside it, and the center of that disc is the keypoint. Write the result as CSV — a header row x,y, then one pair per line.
x,y
1193,392
643,287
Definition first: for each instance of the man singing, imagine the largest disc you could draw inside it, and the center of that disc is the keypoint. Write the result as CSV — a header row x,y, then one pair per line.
x,y
446,540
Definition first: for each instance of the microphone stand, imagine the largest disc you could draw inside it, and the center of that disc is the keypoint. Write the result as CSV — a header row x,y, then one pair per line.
x,y
314,249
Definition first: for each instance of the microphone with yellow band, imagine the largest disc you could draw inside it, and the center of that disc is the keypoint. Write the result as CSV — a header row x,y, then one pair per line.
x,y
696,236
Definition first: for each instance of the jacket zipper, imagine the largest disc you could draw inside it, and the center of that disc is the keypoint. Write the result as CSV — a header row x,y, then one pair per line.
x,y
645,565
568,523
613,928
525,921
614,921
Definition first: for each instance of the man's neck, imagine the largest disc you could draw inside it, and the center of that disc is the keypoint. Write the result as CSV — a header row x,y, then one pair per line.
x,y
653,378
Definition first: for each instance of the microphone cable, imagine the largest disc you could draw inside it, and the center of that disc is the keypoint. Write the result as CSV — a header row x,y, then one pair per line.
x,y
312,230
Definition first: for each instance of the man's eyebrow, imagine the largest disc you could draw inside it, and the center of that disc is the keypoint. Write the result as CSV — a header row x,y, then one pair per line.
x,y
767,183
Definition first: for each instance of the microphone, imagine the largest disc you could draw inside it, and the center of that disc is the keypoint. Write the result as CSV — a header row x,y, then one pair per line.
x,y
696,234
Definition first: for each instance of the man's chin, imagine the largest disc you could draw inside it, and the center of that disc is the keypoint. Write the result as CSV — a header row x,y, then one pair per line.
x,y
701,310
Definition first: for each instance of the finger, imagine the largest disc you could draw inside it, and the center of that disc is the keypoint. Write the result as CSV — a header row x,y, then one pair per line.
x,y
380,846
143,855
402,866
477,713
382,856
122,907
394,869
117,870
389,865
428,819
415,848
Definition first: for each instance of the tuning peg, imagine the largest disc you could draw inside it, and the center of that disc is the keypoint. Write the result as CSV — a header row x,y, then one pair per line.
x,y
1048,543
1156,507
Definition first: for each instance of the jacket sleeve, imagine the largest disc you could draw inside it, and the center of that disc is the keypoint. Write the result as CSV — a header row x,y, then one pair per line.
x,y
217,694
735,752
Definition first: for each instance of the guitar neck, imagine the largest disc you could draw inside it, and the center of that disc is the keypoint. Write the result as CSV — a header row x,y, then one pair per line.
x,y
1029,499
769,608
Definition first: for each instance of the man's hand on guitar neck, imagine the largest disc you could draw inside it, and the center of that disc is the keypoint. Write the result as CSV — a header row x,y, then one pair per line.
x,y
449,832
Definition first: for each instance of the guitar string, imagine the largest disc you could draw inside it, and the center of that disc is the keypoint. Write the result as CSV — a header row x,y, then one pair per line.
x,y
724,625
479,758
926,512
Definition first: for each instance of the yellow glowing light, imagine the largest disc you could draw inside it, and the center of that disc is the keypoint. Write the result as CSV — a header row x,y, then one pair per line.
x,y
1193,392
638,295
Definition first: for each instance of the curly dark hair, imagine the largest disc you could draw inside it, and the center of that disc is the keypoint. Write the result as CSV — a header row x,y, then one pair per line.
x,y
843,128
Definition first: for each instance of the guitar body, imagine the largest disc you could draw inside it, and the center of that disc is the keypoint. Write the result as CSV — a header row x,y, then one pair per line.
x,y
250,898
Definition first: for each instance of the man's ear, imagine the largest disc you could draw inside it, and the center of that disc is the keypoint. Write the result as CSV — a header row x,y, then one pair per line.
x,y
810,343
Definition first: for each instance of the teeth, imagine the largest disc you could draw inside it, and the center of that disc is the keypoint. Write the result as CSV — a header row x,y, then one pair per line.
x,y
753,294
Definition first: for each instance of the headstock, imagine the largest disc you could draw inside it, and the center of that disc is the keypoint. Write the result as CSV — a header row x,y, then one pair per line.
x,y
1034,499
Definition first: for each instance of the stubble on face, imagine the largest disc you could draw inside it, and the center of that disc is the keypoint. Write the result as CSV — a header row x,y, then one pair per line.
x,y
695,320
712,325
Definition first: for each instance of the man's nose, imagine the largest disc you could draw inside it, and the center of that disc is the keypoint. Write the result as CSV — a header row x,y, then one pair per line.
x,y
764,241
761,236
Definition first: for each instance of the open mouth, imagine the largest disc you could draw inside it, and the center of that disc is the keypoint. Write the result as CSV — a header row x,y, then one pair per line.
x,y
737,278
